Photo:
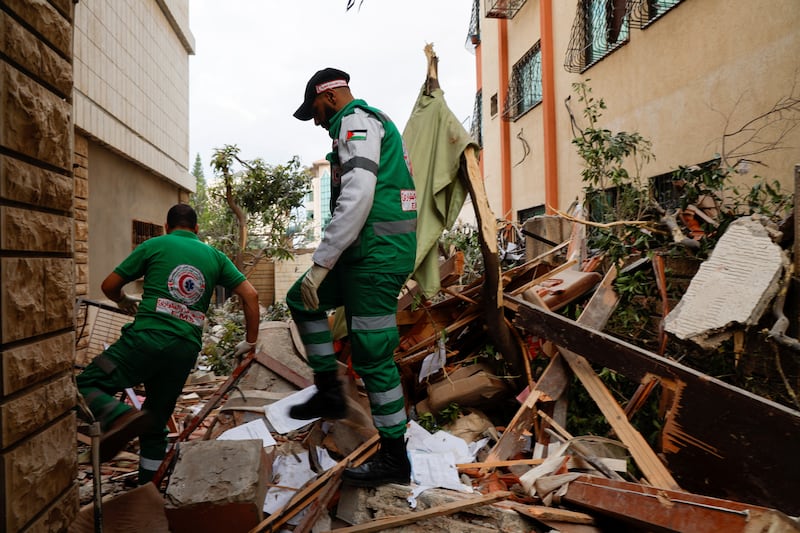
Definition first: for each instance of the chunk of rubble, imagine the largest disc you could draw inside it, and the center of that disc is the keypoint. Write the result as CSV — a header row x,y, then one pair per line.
x,y
731,289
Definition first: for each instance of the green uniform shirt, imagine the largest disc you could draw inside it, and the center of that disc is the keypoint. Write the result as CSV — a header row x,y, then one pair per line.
x,y
180,273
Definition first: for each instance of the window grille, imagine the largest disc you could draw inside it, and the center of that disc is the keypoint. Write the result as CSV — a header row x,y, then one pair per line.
x,y
645,12
600,27
476,129
503,9
525,89
530,212
474,35
145,230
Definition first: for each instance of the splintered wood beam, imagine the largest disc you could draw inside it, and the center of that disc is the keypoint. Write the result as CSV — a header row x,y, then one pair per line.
x,y
492,289
718,439
416,516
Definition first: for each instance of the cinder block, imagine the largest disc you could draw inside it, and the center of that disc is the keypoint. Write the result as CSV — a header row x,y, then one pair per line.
x,y
218,485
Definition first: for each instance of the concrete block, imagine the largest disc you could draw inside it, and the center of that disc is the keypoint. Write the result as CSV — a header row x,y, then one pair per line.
x,y
732,288
218,485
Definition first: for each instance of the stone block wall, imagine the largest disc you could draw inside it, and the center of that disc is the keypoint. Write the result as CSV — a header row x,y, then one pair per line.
x,y
38,271
262,276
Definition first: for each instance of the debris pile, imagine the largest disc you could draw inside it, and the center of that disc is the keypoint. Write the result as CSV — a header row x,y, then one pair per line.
x,y
488,440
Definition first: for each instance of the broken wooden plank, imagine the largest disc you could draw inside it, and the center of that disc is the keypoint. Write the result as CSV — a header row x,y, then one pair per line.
x,y
550,385
499,464
668,510
540,512
283,371
647,461
417,516
705,441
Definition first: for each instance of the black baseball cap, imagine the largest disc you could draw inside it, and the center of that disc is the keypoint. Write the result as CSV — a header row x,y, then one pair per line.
x,y
321,81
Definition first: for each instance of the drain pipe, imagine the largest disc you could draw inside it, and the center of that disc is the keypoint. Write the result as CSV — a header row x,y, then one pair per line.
x,y
548,107
94,432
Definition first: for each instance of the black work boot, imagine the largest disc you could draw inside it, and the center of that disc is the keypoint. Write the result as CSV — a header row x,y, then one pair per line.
x,y
389,465
328,402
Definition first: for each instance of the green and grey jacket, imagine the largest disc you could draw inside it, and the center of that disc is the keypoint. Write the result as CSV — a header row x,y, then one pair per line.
x,y
373,201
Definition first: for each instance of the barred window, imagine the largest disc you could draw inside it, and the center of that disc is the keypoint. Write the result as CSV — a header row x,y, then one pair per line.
x,y
525,89
530,212
600,27
145,230
645,12
476,129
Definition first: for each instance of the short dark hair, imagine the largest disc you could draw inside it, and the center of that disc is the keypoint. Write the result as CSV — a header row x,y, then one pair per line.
x,y
181,215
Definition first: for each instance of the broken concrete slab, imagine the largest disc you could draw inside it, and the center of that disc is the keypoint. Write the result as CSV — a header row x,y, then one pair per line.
x,y
392,500
275,339
218,485
732,288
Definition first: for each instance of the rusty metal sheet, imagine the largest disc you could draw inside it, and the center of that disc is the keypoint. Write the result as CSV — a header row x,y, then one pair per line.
x,y
718,439
669,510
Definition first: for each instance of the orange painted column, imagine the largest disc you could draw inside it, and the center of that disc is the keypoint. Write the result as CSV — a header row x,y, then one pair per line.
x,y
505,127
548,107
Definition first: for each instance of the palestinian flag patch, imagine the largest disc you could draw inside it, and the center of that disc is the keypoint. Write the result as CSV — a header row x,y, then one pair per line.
x,y
356,135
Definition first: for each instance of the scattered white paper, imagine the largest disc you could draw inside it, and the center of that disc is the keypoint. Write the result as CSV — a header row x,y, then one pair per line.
x,y
291,471
433,362
278,412
434,457
436,470
256,429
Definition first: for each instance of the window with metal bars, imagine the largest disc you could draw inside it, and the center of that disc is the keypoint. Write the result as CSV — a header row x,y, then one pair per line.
x,y
525,88
600,27
145,230
476,129
645,12
474,35
530,212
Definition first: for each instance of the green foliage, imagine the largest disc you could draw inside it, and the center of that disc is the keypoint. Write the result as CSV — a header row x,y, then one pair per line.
x,y
226,328
433,423
270,195
464,238
224,331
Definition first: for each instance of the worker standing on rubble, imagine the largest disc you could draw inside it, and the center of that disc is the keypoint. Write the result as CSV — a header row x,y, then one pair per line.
x,y
365,257
160,346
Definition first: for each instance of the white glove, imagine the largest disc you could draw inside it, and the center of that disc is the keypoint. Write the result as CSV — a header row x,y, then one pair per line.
x,y
129,304
311,282
243,348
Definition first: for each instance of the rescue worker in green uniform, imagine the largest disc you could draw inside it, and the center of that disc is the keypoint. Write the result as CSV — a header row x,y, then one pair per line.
x,y
160,346
365,257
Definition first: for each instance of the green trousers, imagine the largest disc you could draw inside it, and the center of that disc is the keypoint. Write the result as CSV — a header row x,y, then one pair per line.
x,y
370,304
159,360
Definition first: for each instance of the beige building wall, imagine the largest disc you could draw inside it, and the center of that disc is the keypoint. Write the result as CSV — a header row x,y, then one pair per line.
x,y
131,97
132,81
703,69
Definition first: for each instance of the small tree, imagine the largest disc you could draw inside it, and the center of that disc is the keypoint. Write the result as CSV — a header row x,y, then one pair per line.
x,y
260,200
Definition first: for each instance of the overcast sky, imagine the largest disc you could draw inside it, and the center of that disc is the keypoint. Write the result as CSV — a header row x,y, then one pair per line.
x,y
254,57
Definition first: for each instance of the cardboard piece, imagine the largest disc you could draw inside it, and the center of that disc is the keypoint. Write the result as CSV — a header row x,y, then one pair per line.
x,y
469,386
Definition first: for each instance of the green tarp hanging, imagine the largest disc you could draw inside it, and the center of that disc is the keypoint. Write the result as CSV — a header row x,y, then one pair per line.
x,y
435,140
